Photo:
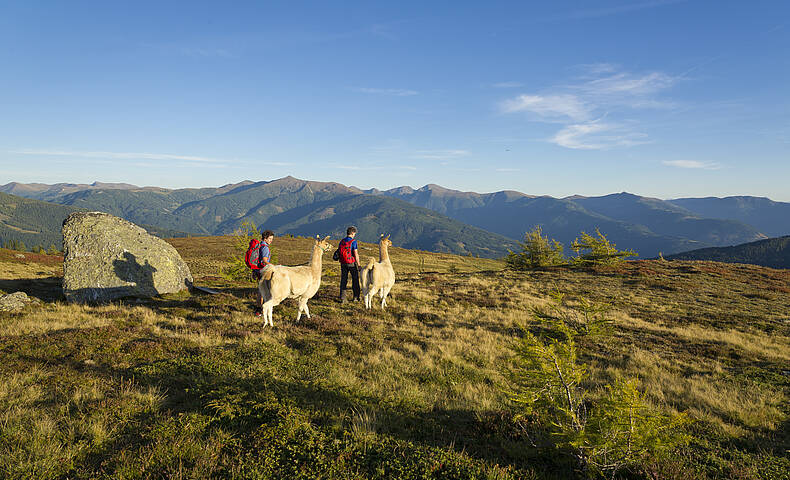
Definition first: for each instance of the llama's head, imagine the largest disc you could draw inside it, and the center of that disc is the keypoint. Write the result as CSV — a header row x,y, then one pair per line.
x,y
323,243
385,240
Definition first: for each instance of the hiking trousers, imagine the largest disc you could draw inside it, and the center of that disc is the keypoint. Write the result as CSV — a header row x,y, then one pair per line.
x,y
345,268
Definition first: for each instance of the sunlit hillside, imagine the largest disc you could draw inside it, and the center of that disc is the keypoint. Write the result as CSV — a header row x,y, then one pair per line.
x,y
191,385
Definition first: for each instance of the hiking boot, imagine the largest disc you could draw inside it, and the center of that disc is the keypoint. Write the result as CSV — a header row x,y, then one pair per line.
x,y
343,297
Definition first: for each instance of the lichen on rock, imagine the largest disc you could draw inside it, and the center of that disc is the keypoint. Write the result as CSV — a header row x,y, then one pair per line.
x,y
106,257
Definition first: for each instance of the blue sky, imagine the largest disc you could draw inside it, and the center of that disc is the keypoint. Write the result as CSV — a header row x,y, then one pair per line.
x,y
658,98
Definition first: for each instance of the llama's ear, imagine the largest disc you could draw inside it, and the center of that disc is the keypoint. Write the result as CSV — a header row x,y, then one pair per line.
x,y
382,236
326,238
387,237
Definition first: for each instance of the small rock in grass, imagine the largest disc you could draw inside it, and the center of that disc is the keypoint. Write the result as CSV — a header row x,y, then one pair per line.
x,y
14,301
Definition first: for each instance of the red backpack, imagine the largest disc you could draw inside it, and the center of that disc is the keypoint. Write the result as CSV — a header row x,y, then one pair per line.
x,y
346,253
251,257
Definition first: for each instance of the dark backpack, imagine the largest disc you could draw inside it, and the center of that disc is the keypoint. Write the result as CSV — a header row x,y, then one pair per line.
x,y
345,253
251,258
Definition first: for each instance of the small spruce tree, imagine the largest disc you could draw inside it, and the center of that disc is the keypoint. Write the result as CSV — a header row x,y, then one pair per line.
x,y
598,250
236,268
558,408
536,252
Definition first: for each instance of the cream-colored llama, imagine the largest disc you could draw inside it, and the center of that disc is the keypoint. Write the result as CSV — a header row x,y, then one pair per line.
x,y
279,282
378,277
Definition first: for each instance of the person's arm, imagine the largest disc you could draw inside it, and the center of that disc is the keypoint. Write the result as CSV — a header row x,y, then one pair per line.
x,y
356,254
264,260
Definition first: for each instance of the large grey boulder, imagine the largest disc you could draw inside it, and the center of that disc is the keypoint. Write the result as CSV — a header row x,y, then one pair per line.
x,y
106,257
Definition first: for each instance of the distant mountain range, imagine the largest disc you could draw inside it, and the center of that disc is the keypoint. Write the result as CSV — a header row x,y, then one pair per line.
x,y
287,205
432,217
646,225
772,252
771,218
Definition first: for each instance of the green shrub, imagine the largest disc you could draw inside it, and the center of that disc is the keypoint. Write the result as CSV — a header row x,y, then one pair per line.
x,y
536,252
557,408
236,268
598,250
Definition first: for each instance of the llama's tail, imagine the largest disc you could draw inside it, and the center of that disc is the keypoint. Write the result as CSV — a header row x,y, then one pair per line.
x,y
365,275
265,283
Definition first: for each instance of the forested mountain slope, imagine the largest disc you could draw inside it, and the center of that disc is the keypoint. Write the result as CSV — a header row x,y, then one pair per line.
x,y
771,252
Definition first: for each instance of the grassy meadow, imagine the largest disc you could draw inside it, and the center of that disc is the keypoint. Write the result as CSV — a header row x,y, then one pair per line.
x,y
191,385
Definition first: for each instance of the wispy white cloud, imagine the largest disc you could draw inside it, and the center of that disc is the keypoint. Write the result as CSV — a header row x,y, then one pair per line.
x,y
549,106
694,164
197,52
116,155
395,92
194,51
603,91
508,85
439,154
382,30
620,9
508,169
275,164
373,167
597,136
599,68
103,155
624,84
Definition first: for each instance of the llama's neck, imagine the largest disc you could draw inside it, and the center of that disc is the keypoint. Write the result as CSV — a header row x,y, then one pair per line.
x,y
384,255
315,261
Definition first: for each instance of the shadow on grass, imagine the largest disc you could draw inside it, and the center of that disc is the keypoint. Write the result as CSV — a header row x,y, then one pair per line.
x,y
47,289
242,405
215,384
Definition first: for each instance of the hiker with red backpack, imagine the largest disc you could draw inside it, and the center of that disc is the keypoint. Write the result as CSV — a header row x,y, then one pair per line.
x,y
257,257
348,255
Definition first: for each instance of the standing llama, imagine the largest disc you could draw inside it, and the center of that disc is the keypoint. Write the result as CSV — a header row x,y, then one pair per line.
x,y
279,282
378,277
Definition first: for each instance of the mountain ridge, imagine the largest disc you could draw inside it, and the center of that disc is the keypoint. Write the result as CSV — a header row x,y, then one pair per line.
x,y
645,224
291,206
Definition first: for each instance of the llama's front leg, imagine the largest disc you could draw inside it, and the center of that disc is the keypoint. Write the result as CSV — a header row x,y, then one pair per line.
x,y
302,307
265,312
306,310
373,295
384,293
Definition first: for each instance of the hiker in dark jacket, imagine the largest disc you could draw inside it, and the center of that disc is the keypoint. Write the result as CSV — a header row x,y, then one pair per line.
x,y
349,263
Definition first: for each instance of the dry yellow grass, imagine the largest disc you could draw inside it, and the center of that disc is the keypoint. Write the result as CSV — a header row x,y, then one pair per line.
x,y
441,346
